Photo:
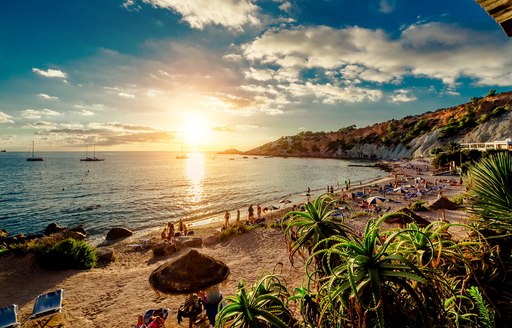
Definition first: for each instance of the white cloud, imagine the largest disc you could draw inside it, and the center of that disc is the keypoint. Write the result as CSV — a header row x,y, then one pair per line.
x,y
47,97
4,118
126,95
233,14
331,94
50,73
402,95
40,125
259,74
386,6
85,112
433,50
38,113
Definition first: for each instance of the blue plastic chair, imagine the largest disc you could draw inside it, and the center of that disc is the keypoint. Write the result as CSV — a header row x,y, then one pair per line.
x,y
9,316
46,306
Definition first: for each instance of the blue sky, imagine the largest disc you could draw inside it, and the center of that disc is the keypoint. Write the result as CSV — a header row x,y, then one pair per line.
x,y
217,74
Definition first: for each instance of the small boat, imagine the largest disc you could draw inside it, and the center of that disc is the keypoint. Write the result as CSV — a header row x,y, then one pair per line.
x,y
246,157
3,151
91,159
183,155
33,158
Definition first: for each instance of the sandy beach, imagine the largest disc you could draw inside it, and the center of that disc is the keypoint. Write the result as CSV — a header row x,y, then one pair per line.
x,y
115,294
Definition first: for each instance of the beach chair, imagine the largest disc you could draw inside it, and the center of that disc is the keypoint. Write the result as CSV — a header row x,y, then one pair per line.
x,y
163,313
9,316
46,306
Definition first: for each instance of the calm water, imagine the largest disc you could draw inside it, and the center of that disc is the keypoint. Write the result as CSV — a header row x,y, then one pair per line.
x,y
142,190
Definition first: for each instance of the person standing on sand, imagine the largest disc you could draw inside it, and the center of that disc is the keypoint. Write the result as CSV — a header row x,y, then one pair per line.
x,y
226,217
251,213
258,211
237,217
180,226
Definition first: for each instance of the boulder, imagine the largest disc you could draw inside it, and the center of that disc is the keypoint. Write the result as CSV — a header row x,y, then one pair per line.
x,y
211,240
104,255
117,233
188,241
80,229
74,234
53,228
163,249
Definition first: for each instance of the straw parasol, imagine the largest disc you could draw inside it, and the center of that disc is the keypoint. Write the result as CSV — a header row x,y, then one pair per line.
x,y
188,274
443,203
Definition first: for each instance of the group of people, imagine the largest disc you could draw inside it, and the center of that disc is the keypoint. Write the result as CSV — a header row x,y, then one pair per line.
x,y
170,234
250,215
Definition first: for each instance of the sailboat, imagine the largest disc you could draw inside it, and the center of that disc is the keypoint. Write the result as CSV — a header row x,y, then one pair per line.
x,y
34,158
91,159
182,156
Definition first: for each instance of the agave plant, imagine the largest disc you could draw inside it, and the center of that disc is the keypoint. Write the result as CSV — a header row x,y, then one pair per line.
x,y
491,188
263,305
369,284
318,221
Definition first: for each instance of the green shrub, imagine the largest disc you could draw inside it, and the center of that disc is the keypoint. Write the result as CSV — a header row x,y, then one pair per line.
x,y
234,230
19,249
66,254
418,205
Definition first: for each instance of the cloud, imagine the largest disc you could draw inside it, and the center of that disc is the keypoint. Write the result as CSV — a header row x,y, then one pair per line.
x,y
233,14
386,6
106,134
402,95
85,112
40,125
434,50
38,113
126,95
234,128
4,118
47,97
50,73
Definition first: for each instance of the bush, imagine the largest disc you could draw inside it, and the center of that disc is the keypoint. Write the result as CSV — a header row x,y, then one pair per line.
x,y
418,206
66,254
234,230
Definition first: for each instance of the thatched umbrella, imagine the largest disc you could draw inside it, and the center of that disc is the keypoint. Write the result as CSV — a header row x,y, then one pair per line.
x,y
188,274
443,203
409,217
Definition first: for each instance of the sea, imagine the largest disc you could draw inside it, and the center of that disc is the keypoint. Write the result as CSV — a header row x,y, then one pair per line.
x,y
144,190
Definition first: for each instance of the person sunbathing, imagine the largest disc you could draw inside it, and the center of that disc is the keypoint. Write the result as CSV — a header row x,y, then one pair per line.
x,y
157,322
140,322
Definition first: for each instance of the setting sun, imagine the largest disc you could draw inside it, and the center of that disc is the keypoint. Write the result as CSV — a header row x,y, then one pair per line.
x,y
196,129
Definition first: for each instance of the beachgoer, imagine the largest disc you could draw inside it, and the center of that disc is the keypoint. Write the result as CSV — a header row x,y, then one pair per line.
x,y
158,322
332,189
309,190
251,213
140,322
226,217
237,217
180,225
211,298
258,211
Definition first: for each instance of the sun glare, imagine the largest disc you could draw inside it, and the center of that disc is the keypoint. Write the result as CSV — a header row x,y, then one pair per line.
x,y
195,129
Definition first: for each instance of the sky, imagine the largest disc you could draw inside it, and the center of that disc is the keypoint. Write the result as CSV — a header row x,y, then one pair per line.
x,y
137,75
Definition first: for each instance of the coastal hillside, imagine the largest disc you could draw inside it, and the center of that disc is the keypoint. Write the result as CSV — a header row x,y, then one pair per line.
x,y
482,119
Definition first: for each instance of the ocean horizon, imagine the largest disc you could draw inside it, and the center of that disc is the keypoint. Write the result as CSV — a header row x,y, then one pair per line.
x,y
144,190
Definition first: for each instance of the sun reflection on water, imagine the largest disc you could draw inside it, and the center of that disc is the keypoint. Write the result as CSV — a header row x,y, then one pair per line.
x,y
195,171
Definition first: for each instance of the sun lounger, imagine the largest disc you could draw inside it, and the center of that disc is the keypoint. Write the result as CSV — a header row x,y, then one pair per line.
x,y
9,316
163,313
46,306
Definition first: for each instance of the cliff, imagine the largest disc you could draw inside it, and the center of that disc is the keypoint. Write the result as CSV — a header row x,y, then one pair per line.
x,y
482,119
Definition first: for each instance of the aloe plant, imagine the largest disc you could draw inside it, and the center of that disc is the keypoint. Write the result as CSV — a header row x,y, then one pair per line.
x,y
263,305
367,285
317,222
491,188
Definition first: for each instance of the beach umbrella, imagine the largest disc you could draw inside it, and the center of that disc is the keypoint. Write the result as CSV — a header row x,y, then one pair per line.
x,y
442,204
188,274
375,200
